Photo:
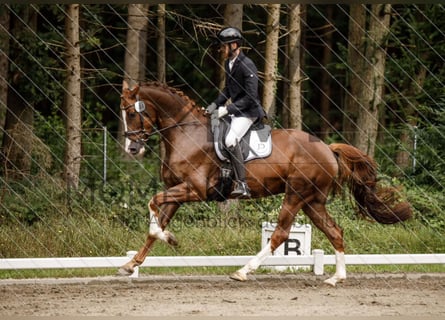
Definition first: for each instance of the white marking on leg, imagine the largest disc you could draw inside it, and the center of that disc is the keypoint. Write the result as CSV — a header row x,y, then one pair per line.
x,y
155,230
340,265
253,263
340,269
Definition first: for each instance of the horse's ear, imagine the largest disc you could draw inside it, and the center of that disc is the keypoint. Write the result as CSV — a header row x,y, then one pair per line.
x,y
135,90
126,87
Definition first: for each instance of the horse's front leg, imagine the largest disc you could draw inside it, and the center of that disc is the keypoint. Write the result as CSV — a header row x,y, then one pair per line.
x,y
162,207
157,223
173,196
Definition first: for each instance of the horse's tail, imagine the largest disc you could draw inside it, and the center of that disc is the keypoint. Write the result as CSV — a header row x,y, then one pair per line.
x,y
359,172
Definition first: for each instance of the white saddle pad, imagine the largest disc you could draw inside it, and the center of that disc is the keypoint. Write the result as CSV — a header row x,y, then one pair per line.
x,y
258,148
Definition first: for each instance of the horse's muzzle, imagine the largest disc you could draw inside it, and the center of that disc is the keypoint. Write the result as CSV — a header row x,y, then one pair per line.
x,y
135,147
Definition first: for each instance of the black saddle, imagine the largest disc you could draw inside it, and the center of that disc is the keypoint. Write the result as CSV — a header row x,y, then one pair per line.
x,y
256,143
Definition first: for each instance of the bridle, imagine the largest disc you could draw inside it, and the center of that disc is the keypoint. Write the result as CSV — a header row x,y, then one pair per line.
x,y
139,106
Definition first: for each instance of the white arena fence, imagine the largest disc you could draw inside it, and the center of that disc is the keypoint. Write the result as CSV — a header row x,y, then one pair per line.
x,y
317,261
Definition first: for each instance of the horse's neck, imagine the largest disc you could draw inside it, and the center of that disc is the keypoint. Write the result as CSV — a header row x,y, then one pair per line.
x,y
188,136
179,120
189,124
172,108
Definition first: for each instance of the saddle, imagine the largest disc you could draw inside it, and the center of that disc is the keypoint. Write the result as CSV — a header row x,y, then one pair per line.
x,y
256,143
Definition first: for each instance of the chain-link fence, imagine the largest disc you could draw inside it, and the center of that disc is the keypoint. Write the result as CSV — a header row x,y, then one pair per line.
x,y
107,214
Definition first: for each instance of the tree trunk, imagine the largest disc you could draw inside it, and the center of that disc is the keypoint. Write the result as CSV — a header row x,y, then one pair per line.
x,y
135,53
356,43
293,67
73,105
325,85
4,63
17,143
271,58
161,43
371,97
161,62
233,17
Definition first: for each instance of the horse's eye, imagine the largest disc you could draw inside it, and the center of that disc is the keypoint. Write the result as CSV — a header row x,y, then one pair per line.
x,y
132,115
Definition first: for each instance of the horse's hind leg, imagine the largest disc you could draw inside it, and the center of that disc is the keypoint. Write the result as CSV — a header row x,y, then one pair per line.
x,y
280,234
317,212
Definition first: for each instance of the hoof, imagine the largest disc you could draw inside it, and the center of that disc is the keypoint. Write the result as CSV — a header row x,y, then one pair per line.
x,y
124,272
171,239
333,280
238,276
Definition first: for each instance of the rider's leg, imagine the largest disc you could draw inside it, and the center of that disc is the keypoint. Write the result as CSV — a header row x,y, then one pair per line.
x,y
238,128
236,157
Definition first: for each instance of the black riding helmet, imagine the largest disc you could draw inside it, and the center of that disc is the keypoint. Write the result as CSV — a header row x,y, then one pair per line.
x,y
229,35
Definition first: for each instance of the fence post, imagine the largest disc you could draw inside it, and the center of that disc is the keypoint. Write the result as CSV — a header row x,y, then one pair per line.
x,y
105,155
415,148
318,262
130,255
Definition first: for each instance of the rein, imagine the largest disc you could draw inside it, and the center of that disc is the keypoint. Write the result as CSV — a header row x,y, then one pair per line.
x,y
156,131
145,133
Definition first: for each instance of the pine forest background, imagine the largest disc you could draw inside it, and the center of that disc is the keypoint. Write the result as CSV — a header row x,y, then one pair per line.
x,y
369,75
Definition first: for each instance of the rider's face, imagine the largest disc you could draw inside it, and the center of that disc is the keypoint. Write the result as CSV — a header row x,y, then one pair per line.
x,y
225,49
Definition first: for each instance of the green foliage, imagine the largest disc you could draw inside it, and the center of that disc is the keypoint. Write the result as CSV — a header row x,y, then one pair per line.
x,y
36,48
430,153
26,202
51,132
415,98
428,205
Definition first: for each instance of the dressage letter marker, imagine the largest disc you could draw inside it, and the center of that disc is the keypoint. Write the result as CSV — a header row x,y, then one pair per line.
x,y
298,243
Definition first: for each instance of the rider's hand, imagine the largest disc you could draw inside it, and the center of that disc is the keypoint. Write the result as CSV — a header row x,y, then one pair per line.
x,y
222,111
212,107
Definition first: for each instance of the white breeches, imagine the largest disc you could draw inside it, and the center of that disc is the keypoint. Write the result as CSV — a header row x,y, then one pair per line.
x,y
238,129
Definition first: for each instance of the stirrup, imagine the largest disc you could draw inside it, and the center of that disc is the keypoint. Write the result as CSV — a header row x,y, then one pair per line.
x,y
241,190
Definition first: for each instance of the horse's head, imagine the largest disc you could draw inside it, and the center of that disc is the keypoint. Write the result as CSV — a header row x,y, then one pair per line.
x,y
138,118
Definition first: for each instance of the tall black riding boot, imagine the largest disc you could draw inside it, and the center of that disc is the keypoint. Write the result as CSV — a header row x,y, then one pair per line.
x,y
241,189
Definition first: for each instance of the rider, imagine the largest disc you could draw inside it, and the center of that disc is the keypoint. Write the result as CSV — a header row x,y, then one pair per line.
x,y
241,87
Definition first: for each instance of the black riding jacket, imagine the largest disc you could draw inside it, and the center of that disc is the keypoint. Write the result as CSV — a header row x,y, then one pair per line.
x,y
241,86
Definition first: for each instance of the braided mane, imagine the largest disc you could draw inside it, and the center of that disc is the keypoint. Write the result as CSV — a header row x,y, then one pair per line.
x,y
175,91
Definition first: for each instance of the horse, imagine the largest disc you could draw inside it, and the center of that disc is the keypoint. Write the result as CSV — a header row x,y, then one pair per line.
x,y
301,166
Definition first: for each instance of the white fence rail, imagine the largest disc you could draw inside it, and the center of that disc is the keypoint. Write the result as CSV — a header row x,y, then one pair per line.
x,y
317,260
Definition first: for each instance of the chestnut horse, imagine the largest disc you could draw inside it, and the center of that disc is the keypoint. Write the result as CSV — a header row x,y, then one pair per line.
x,y
301,166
